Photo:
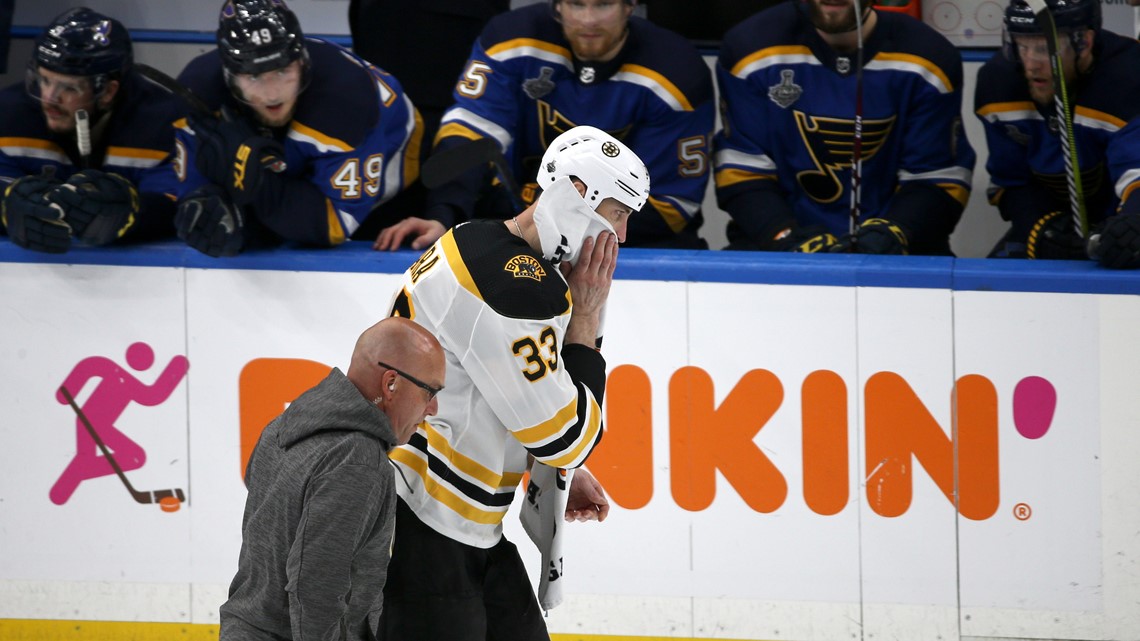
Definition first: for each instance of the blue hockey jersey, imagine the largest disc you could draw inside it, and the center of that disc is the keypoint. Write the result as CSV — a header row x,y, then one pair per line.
x,y
135,140
353,143
1026,164
788,109
523,87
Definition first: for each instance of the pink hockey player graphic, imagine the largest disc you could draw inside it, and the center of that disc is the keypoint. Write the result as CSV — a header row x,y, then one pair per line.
x,y
100,448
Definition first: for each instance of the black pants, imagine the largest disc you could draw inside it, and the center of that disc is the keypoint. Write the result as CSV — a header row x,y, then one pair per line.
x,y
441,590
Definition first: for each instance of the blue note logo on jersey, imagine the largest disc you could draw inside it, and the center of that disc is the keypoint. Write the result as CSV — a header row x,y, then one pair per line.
x,y
830,142
523,266
554,124
786,92
541,86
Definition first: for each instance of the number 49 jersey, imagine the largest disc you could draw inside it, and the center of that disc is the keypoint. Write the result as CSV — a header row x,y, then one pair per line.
x,y
353,143
500,311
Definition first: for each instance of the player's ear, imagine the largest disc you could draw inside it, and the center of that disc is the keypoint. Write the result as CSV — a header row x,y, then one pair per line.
x,y
109,94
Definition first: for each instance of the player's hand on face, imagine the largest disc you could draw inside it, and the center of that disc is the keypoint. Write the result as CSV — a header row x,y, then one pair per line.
x,y
590,278
587,500
418,231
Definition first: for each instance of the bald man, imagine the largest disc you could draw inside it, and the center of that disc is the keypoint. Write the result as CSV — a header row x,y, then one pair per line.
x,y
319,516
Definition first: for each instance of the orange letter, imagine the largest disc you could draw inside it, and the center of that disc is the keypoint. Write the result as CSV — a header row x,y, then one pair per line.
x,y
266,386
899,429
623,461
704,438
824,400
979,488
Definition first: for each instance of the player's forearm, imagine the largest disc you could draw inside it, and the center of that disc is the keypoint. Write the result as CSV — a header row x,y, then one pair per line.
x,y
296,210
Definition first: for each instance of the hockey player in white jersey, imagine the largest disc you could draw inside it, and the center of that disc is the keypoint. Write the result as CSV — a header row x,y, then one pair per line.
x,y
516,305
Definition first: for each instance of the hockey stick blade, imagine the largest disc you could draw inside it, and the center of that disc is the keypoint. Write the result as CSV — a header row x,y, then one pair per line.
x,y
145,498
442,167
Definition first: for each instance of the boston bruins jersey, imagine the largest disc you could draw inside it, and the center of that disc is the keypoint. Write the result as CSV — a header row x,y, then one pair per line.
x,y
523,87
353,143
500,311
134,140
788,109
1026,163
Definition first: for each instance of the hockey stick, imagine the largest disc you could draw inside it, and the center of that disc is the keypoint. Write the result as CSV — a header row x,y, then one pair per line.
x,y
1064,117
83,136
173,86
140,497
442,167
857,143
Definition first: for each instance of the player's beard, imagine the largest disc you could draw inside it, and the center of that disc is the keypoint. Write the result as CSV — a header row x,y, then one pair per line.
x,y
831,22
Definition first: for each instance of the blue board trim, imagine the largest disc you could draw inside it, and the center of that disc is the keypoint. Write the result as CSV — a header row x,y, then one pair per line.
x,y
922,272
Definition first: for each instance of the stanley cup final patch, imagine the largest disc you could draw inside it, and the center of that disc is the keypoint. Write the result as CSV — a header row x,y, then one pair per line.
x,y
541,86
523,266
787,92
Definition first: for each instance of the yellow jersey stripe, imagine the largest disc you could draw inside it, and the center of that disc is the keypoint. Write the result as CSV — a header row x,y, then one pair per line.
x,y
458,267
729,177
769,52
328,141
467,465
586,441
456,129
661,81
443,495
524,43
673,216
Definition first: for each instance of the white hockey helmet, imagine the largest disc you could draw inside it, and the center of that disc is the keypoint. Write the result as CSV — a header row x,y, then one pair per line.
x,y
607,167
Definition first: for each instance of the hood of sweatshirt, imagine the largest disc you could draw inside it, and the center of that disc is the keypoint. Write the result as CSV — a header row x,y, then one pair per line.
x,y
334,405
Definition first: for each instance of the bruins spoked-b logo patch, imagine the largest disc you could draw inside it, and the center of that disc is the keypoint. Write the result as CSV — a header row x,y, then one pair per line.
x,y
610,149
523,266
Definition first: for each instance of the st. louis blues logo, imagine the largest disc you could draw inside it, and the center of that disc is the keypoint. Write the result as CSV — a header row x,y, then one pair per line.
x,y
830,142
102,32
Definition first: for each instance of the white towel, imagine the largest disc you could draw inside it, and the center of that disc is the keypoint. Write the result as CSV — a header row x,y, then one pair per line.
x,y
542,515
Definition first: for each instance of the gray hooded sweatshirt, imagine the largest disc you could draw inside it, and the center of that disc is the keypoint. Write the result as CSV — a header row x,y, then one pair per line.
x,y
318,521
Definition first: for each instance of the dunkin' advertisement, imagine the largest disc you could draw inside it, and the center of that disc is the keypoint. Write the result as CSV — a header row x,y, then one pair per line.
x,y
784,461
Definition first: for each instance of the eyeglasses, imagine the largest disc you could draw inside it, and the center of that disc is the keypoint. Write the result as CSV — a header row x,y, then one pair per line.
x,y
432,391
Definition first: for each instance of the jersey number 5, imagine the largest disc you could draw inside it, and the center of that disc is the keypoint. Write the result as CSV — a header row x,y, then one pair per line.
x,y
541,356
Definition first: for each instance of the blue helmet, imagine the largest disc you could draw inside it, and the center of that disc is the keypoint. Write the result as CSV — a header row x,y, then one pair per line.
x,y
255,36
1073,17
82,42
1069,15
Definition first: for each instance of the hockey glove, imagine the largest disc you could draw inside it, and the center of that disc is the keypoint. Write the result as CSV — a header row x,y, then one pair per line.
x,y
210,224
1054,237
100,207
33,222
1117,246
874,236
803,240
232,155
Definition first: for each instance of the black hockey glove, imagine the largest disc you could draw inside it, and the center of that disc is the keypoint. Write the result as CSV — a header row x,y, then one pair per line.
x,y
210,224
803,240
99,207
874,236
232,155
1117,246
33,222
1054,237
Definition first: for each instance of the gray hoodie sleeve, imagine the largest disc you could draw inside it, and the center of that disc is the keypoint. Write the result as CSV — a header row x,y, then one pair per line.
x,y
342,538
